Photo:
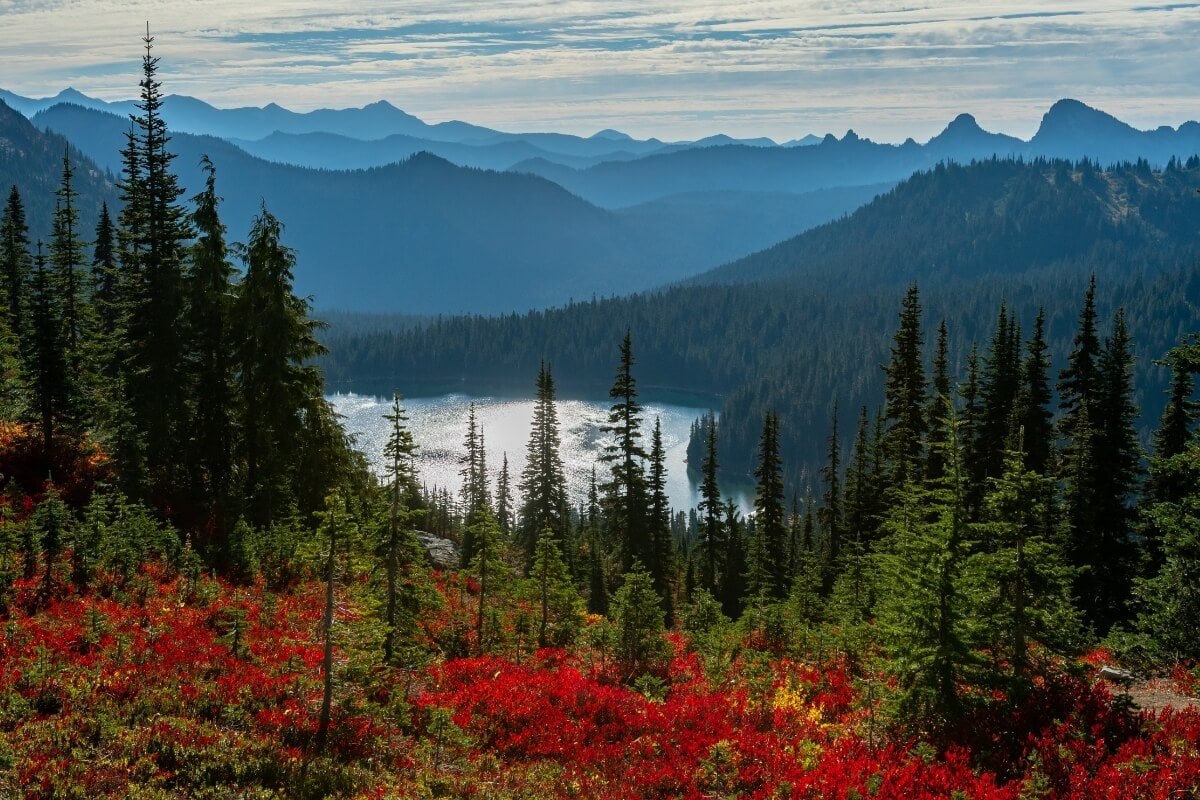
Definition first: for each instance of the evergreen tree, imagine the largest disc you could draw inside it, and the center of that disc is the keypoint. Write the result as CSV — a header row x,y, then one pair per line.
x,y
559,607
1117,467
999,386
638,615
67,257
940,406
488,568
1021,582
153,249
104,296
625,490
1033,415
1171,597
924,612
733,579
16,263
769,516
904,393
543,481
278,391
400,473
861,494
504,499
50,384
711,507
662,554
1078,381
831,504
473,495
209,310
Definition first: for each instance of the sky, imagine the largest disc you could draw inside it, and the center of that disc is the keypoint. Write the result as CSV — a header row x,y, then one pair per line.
x,y
675,69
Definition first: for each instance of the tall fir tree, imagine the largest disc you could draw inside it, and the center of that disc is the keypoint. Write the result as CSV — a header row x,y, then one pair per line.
x,y
278,391
711,508
50,384
16,262
154,237
210,364
831,513
769,514
543,481
662,554
1033,416
998,390
505,513
67,257
625,490
940,405
400,473
905,394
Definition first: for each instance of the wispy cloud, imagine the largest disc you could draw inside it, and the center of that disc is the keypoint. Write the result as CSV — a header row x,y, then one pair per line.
x,y
673,68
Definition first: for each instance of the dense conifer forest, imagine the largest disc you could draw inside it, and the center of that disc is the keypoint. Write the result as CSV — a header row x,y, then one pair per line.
x,y
205,592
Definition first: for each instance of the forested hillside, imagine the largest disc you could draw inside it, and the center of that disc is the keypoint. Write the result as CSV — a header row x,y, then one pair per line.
x,y
969,236
33,160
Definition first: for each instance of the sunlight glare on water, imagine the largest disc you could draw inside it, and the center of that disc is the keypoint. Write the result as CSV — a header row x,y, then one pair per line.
x,y
439,426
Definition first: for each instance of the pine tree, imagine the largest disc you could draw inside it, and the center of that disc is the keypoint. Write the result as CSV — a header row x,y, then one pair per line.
x,y
1021,583
733,580
543,481
473,495
277,390
103,288
999,387
1033,414
1117,467
16,263
861,494
769,516
504,499
488,568
625,491
67,257
940,406
639,619
924,612
659,522
904,393
153,249
400,472
1077,383
50,384
831,513
712,532
209,310
559,606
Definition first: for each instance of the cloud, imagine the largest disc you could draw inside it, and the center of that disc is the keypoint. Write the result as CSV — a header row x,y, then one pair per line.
x,y
672,68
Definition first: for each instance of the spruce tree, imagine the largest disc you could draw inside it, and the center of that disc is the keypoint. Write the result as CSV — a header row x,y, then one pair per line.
x,y
543,481
558,603
504,499
769,517
16,262
711,508
278,391
625,490
211,367
831,513
999,387
1033,415
103,284
661,567
50,384
154,234
940,406
905,395
733,579
67,257
400,473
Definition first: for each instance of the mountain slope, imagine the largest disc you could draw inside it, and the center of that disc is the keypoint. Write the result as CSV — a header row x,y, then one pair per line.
x,y
427,237
33,161
994,216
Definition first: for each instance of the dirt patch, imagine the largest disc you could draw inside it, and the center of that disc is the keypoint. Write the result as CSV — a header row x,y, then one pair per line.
x,y
1156,694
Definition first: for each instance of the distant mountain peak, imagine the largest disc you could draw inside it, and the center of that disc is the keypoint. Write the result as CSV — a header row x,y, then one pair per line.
x,y
851,136
963,122
1069,115
612,135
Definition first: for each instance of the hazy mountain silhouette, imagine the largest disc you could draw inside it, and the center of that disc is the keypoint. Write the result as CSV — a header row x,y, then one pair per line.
x,y
427,236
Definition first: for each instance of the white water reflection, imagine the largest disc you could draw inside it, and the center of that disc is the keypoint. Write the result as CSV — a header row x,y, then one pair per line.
x,y
439,425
